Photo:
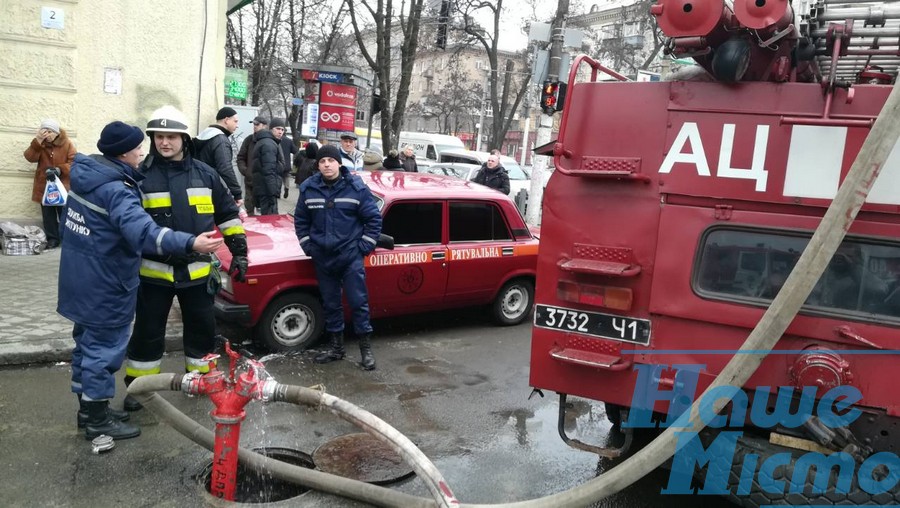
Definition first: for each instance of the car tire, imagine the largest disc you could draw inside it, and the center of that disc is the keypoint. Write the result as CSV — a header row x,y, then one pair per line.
x,y
291,323
514,302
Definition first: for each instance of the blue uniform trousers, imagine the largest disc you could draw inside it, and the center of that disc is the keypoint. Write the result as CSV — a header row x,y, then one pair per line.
x,y
353,279
98,355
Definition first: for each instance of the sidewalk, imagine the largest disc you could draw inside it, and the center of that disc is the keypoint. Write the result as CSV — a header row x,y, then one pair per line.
x,y
30,329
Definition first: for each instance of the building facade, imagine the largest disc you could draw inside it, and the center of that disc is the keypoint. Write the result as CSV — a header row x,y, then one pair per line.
x,y
449,86
88,62
621,36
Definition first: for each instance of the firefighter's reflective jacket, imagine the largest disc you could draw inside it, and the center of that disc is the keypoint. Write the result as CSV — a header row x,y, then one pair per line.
x,y
189,196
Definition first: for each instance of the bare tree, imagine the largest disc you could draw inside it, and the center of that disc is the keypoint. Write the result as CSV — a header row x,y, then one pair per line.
x,y
381,18
504,96
622,45
258,56
454,102
268,38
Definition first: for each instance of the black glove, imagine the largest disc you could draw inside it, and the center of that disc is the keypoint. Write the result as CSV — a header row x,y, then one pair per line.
x,y
238,269
51,174
285,192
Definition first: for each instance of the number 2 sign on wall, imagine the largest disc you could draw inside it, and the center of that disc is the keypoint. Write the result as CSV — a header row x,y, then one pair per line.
x,y
54,18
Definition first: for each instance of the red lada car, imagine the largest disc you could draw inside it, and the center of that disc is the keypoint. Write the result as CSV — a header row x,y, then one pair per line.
x,y
456,244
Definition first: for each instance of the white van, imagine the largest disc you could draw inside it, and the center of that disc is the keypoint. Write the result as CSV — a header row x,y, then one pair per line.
x,y
428,147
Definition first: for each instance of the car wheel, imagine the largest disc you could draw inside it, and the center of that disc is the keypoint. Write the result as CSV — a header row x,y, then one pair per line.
x,y
514,302
292,322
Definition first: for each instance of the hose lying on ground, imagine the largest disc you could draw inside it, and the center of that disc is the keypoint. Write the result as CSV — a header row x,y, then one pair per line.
x,y
143,387
377,427
765,335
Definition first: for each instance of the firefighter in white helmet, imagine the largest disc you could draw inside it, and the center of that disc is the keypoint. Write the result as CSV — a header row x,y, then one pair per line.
x,y
183,194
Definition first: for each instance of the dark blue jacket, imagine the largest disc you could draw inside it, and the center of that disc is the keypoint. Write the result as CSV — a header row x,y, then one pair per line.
x,y
336,223
105,229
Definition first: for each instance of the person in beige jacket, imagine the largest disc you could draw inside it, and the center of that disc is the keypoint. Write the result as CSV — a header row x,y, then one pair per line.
x,y
53,152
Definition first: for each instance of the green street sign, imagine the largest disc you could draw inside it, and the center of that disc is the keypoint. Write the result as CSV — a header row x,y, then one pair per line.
x,y
236,83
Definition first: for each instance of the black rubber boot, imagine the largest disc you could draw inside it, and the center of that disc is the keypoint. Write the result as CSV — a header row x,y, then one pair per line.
x,y
365,350
99,422
335,353
131,404
122,416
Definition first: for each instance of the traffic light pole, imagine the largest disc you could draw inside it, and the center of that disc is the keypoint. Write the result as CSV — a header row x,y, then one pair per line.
x,y
536,195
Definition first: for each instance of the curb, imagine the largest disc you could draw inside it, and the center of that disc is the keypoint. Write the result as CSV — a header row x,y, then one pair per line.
x,y
54,350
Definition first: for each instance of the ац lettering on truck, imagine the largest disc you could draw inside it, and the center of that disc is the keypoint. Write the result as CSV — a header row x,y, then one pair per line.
x,y
677,210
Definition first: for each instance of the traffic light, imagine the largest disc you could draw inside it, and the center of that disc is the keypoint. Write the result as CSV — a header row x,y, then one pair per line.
x,y
443,17
376,104
553,95
548,97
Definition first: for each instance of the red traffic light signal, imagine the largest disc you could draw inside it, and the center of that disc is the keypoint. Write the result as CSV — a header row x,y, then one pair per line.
x,y
553,95
548,96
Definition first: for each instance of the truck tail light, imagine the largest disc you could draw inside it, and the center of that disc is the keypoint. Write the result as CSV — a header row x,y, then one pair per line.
x,y
610,297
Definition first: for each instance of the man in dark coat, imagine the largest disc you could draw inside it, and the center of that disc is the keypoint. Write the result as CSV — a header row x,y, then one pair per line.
x,y
245,162
392,161
307,165
268,172
493,175
288,148
213,147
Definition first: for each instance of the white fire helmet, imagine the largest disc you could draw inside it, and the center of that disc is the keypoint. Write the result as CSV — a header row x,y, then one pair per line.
x,y
168,119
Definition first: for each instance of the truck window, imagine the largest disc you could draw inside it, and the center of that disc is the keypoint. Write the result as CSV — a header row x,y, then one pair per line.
x,y
863,277
430,153
474,222
413,223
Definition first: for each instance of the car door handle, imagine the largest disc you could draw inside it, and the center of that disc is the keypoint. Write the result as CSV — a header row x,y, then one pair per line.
x,y
438,255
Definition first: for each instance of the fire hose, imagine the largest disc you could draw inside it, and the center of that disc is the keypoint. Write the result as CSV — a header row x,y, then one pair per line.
x,y
812,263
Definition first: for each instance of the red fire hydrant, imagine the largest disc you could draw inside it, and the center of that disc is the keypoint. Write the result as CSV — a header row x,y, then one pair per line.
x,y
229,396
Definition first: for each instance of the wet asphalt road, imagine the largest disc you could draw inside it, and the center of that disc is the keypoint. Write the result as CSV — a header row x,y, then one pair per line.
x,y
453,383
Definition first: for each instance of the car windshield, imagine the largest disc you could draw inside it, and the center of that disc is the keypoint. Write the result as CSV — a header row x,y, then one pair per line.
x,y
514,170
458,172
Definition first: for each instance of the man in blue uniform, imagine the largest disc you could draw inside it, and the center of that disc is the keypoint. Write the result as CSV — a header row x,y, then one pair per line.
x,y
187,195
105,229
338,223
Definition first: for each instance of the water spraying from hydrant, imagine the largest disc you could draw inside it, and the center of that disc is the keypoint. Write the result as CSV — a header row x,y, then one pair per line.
x,y
229,395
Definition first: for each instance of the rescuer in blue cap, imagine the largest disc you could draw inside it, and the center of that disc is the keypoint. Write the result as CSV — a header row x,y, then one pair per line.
x,y
105,230
338,224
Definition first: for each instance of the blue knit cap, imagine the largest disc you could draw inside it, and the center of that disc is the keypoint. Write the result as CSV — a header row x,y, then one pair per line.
x,y
118,138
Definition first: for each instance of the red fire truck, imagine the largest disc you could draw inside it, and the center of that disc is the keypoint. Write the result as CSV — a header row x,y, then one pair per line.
x,y
678,208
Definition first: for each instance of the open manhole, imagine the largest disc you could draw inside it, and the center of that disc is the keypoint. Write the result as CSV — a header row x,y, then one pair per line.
x,y
361,457
260,487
